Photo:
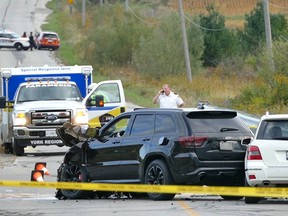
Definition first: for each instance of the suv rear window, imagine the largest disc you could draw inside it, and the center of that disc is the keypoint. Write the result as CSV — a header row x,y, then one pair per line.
x,y
50,36
273,129
216,121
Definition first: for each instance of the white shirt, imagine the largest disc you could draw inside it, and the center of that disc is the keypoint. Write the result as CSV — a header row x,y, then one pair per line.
x,y
169,101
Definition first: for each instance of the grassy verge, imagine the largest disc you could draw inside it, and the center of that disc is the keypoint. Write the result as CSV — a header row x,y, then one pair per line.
x,y
139,90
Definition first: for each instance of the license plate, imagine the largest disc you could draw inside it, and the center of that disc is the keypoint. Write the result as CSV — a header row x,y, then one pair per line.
x,y
227,146
51,133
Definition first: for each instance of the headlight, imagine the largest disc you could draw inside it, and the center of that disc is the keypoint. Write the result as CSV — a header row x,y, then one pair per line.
x,y
81,116
19,118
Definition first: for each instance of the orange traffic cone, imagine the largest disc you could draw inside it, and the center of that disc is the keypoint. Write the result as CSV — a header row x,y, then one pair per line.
x,y
37,175
42,166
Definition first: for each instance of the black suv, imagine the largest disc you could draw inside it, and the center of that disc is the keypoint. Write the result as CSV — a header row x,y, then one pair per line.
x,y
161,146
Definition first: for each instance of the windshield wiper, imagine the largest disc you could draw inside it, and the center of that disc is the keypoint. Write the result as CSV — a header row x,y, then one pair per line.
x,y
228,129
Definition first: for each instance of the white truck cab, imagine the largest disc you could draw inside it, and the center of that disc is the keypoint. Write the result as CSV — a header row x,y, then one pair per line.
x,y
37,100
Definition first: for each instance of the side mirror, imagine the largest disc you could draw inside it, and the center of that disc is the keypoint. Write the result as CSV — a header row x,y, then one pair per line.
x,y
246,141
98,101
2,102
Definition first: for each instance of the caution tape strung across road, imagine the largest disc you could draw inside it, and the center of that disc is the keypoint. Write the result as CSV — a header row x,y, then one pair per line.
x,y
215,190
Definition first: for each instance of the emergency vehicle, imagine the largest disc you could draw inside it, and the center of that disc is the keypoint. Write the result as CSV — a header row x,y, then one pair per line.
x,y
37,100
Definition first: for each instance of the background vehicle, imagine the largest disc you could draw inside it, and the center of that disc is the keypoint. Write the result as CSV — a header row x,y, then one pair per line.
x,y
161,146
36,100
266,161
47,40
9,39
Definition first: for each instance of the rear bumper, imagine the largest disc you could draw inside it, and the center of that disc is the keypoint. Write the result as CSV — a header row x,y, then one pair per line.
x,y
47,46
188,169
262,175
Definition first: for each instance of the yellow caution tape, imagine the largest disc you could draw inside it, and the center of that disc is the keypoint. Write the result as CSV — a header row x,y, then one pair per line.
x,y
204,190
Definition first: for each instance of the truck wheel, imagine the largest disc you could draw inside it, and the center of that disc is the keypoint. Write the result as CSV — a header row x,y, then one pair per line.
x,y
74,173
157,173
17,149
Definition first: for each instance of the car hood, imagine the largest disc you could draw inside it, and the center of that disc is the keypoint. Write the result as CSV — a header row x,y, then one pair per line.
x,y
51,104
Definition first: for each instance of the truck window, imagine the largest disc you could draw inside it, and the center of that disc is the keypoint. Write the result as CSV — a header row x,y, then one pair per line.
x,y
46,92
110,92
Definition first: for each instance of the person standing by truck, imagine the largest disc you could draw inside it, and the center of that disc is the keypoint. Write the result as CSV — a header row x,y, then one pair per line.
x,y
31,41
168,99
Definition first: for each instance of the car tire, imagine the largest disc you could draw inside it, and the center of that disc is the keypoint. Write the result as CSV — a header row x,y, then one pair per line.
x,y
74,173
157,173
18,46
250,200
17,149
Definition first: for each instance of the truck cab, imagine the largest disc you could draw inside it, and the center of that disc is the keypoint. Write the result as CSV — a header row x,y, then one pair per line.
x,y
37,100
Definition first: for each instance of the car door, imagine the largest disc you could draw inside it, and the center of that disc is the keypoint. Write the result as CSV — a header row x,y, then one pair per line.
x,y
134,145
104,156
5,40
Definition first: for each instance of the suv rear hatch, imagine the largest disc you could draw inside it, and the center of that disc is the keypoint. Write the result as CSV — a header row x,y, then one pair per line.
x,y
222,132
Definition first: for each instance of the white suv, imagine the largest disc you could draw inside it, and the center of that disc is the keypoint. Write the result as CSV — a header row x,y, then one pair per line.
x,y
9,39
266,161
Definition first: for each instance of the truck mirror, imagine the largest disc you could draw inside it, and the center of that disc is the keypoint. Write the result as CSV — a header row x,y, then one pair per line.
x,y
97,101
2,102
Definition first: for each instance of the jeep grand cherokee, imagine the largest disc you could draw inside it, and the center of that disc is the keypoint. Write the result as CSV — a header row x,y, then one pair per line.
x,y
161,147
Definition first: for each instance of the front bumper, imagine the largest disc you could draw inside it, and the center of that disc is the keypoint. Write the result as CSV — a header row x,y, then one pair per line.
x,y
34,137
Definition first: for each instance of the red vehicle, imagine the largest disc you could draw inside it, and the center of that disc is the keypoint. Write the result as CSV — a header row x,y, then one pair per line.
x,y
47,40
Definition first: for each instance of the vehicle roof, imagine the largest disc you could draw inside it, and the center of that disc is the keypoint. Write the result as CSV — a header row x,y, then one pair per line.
x,y
274,116
47,82
48,32
7,31
186,110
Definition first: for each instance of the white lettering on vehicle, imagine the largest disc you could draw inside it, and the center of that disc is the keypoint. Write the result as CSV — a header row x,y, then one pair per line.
x,y
46,142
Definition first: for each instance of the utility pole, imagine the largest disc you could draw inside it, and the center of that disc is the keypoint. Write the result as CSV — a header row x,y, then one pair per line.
x,y
83,12
268,33
185,43
126,5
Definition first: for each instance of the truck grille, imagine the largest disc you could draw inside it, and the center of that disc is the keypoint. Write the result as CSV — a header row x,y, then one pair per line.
x,y
50,118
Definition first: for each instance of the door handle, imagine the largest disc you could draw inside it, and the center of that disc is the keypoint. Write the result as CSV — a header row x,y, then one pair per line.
x,y
116,142
146,139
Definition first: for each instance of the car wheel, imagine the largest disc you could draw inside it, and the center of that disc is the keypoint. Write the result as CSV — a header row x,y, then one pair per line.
x,y
74,173
18,46
26,48
17,149
157,173
250,200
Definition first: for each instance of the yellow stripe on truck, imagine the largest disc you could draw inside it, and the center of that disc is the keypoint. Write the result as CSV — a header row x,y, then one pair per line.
x,y
204,190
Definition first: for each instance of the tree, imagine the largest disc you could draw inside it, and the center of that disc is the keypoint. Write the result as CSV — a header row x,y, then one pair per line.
x,y
253,36
219,42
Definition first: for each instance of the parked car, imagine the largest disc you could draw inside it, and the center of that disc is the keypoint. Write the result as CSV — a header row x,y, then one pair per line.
x,y
266,161
160,147
47,40
10,39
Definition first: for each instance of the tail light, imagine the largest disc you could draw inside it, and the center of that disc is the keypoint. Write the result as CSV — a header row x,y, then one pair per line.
x,y
253,153
192,141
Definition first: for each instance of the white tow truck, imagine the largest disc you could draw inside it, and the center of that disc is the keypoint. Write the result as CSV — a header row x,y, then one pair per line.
x,y
37,100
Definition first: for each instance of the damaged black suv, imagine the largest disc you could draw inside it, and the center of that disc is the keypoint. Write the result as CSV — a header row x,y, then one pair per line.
x,y
162,147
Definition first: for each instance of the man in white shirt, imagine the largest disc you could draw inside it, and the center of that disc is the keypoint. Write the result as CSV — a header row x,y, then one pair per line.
x,y
168,99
